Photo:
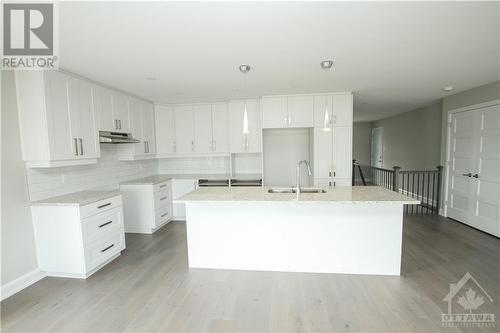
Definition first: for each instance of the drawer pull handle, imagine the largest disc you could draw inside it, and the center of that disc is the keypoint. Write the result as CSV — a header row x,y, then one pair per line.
x,y
105,224
163,215
163,198
162,186
104,250
105,205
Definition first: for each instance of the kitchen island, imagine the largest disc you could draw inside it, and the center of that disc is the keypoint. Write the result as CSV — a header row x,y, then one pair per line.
x,y
355,230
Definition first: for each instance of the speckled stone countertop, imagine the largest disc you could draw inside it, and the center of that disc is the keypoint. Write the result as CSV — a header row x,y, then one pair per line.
x,y
77,199
151,180
350,195
155,179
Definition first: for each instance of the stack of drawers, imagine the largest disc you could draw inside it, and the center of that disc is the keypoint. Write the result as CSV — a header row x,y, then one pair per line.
x,y
147,204
75,240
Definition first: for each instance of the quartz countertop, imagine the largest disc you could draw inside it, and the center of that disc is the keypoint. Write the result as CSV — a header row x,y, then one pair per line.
x,y
77,199
352,195
151,180
155,179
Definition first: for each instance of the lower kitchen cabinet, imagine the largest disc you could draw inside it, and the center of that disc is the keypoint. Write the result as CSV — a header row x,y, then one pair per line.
x,y
76,240
147,204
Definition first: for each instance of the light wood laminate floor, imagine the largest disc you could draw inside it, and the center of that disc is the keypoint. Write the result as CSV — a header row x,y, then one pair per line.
x,y
149,288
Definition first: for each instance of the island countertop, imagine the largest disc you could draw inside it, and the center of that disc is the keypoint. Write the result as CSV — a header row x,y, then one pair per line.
x,y
345,195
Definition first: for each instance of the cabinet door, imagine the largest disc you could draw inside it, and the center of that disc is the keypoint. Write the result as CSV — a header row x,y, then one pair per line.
x,y
202,128
104,109
323,152
342,152
135,114
148,127
89,145
120,112
322,104
220,128
274,112
239,141
61,133
342,110
184,123
300,111
165,129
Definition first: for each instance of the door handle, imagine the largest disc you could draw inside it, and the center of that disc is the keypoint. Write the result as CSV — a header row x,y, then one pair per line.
x,y
81,146
476,175
76,146
467,174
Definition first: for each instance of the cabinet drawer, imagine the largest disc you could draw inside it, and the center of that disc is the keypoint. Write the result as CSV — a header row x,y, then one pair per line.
x,y
163,215
162,199
162,186
101,250
101,225
100,206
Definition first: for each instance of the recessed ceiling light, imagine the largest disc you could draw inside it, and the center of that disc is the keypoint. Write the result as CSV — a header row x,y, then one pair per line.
x,y
448,89
150,78
326,64
244,68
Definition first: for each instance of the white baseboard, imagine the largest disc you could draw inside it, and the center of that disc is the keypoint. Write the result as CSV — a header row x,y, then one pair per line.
x,y
20,283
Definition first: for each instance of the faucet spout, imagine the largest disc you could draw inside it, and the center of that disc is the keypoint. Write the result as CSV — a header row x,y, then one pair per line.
x,y
298,174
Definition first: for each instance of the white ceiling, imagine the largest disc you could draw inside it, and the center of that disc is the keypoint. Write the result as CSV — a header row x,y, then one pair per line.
x,y
394,56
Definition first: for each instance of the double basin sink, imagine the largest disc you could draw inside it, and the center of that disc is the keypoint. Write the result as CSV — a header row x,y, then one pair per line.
x,y
294,190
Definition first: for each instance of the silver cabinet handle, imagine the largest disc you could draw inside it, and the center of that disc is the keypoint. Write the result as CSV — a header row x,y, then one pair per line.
x,y
330,172
163,215
116,124
163,198
192,145
105,224
467,174
120,123
162,186
105,205
81,146
147,144
476,175
107,248
76,146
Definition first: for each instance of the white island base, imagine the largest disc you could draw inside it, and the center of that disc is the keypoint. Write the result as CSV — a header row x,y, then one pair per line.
x,y
318,237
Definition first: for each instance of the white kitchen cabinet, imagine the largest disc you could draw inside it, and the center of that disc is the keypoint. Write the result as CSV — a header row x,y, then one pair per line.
x,y
300,111
339,106
179,188
202,114
274,112
342,155
323,154
220,128
148,127
104,110
241,142
147,205
75,241
121,112
184,124
165,129
56,118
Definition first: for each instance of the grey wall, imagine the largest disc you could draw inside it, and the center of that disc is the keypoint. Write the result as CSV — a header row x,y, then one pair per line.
x,y
412,139
361,142
18,244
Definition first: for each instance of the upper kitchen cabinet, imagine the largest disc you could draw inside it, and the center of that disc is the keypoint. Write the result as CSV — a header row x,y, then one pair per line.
x,y
184,124
142,127
287,111
57,119
274,112
220,128
338,106
112,109
165,130
202,115
245,129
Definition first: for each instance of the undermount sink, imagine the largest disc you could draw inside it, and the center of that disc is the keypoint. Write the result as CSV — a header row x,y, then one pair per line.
x,y
294,190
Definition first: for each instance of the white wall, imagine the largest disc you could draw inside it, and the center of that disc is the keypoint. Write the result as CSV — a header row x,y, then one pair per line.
x,y
361,142
18,244
283,149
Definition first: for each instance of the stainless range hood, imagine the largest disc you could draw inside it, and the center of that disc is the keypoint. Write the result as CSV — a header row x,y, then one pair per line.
x,y
115,137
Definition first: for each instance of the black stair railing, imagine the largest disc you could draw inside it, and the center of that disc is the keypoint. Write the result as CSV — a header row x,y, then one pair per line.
x,y
423,185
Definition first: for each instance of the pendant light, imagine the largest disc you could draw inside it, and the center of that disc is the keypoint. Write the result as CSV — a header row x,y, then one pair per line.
x,y
244,69
327,124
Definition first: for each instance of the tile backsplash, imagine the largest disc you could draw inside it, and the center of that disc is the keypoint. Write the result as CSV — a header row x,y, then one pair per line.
x,y
106,174
109,172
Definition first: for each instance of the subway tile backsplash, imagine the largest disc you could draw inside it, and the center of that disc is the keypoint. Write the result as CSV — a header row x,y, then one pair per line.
x,y
109,172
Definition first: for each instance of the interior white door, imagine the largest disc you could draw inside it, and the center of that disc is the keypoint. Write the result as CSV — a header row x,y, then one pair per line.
x,y
220,128
274,112
203,128
377,154
461,166
165,129
300,111
486,177
184,123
